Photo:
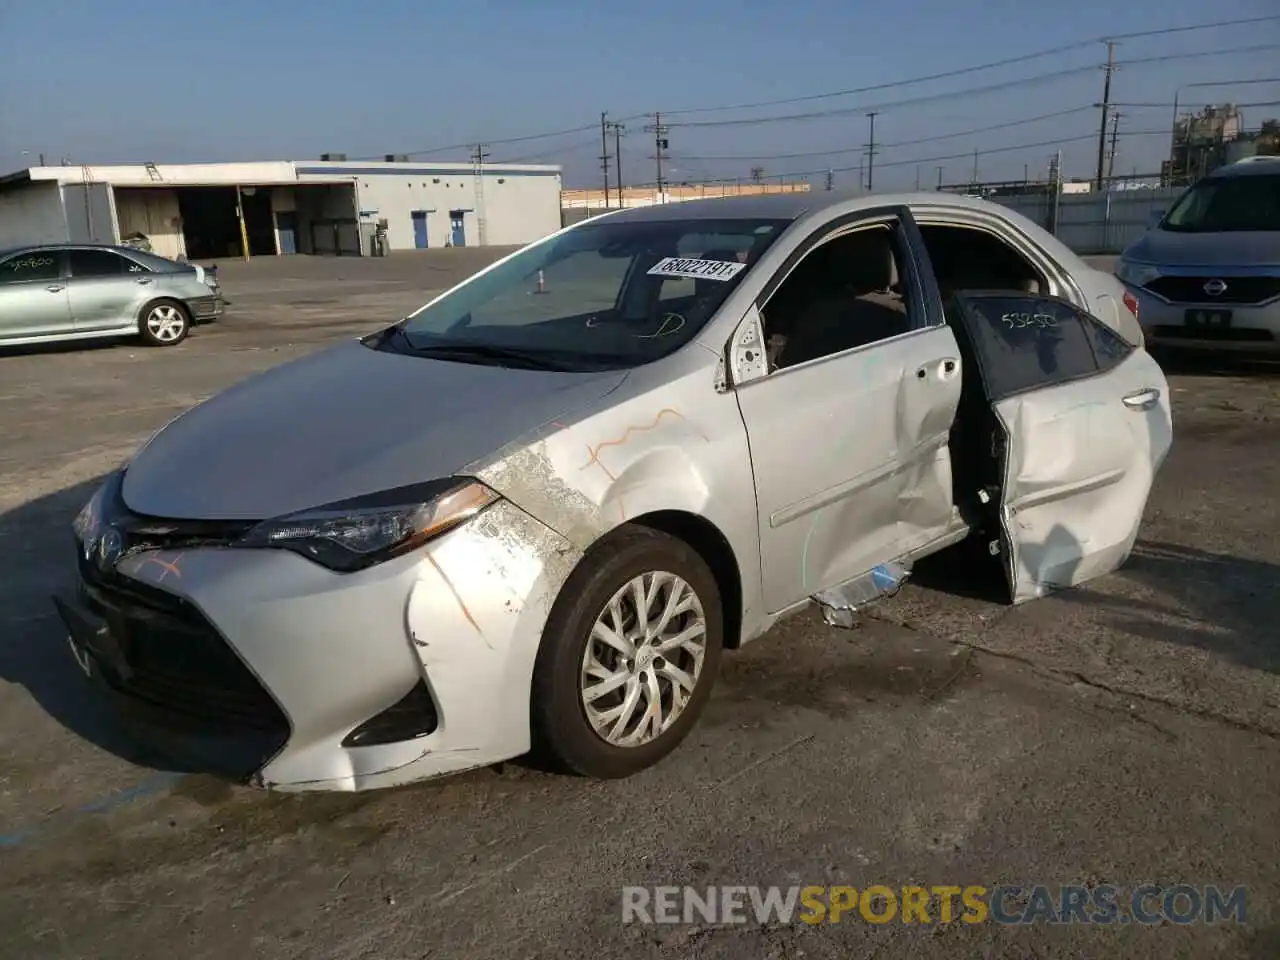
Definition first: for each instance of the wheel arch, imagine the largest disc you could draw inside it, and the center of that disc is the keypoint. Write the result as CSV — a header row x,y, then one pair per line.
x,y
713,546
178,302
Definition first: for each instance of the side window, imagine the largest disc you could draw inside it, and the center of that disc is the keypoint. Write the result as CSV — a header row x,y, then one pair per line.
x,y
28,267
1025,342
845,293
89,264
1109,348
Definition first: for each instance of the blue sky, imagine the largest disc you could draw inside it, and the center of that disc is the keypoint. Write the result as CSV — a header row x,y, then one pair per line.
x,y
282,79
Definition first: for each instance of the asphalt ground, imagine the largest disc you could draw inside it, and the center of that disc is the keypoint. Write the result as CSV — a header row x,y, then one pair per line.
x,y
1123,734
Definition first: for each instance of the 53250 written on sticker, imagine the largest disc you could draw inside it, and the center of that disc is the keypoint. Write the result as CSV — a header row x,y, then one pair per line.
x,y
698,269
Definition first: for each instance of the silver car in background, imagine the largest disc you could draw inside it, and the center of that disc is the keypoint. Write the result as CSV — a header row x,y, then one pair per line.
x,y
534,513
1207,275
80,292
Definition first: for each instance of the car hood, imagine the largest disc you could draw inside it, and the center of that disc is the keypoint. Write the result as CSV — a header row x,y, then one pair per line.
x,y
342,423
1168,248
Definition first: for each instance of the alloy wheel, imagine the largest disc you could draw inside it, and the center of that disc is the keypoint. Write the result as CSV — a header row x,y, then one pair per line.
x,y
643,659
166,323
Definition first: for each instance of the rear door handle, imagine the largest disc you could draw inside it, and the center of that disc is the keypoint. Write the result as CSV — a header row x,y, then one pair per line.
x,y
1143,399
54,288
144,280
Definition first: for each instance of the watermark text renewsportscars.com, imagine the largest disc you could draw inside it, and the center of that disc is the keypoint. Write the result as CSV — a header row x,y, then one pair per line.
x,y
881,903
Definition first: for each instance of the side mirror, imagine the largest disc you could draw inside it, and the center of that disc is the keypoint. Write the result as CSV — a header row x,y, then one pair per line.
x,y
1154,217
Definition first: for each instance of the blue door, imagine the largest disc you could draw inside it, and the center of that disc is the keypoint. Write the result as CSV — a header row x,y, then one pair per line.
x,y
457,224
419,229
287,226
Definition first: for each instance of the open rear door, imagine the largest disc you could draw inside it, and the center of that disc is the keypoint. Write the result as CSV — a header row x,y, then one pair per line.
x,y
1086,425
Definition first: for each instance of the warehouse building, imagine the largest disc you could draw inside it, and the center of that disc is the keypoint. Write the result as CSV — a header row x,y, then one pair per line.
x,y
329,206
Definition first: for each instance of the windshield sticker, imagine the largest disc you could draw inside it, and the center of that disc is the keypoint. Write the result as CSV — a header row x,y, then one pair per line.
x,y
697,269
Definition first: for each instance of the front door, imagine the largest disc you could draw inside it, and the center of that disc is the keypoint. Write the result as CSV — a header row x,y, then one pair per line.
x,y
105,290
848,423
419,218
33,295
458,228
1087,425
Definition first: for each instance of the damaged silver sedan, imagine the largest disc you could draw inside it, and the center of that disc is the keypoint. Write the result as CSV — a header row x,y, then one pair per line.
x,y
533,514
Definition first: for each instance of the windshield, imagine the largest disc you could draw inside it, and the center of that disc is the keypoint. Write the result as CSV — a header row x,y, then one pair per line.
x,y
600,296
1228,204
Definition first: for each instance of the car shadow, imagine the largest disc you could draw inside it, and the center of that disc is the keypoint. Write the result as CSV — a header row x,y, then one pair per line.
x,y
35,653
1221,604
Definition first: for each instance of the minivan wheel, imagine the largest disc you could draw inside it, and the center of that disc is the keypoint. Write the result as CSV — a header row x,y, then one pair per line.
x,y
164,323
628,656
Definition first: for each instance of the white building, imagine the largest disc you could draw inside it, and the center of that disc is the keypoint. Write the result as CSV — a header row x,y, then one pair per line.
x,y
329,206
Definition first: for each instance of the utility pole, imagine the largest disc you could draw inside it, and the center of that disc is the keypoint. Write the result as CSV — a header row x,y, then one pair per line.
x,y
1106,109
917,179
939,178
975,167
871,148
830,179
1055,198
478,156
660,145
1115,135
618,130
604,154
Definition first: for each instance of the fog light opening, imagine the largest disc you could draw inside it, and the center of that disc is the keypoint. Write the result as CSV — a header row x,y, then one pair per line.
x,y
411,717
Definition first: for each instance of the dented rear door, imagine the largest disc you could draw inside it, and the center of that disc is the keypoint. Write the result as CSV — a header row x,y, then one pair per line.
x,y
1086,425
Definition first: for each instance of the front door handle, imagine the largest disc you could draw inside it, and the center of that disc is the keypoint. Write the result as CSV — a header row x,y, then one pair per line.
x,y
144,280
1143,399
943,369
54,288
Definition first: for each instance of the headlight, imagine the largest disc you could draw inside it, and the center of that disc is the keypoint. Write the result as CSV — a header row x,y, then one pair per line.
x,y
356,534
88,521
1136,274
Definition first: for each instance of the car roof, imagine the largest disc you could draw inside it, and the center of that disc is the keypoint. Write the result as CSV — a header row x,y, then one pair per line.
x,y
789,206
1249,167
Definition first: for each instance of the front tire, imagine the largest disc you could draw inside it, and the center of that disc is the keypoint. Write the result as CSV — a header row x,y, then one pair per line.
x,y
164,323
628,656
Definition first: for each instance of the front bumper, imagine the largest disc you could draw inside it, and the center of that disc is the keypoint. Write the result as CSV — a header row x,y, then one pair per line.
x,y
1254,327
261,665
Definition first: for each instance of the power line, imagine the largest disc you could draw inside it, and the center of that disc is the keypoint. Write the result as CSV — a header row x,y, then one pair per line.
x,y
1060,141
964,71
549,135
969,91
1023,121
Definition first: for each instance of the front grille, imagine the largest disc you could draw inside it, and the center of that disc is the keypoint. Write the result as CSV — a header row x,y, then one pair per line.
x,y
1239,289
175,660
1223,334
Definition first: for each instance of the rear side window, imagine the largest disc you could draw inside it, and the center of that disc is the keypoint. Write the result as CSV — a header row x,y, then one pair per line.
x,y
98,263
1027,342
1109,348
32,266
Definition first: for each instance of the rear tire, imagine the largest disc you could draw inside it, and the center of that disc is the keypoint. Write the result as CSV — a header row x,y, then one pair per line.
x,y
607,657
164,323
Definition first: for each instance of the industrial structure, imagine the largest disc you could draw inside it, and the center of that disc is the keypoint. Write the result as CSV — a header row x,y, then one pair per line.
x,y
1215,137
328,206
